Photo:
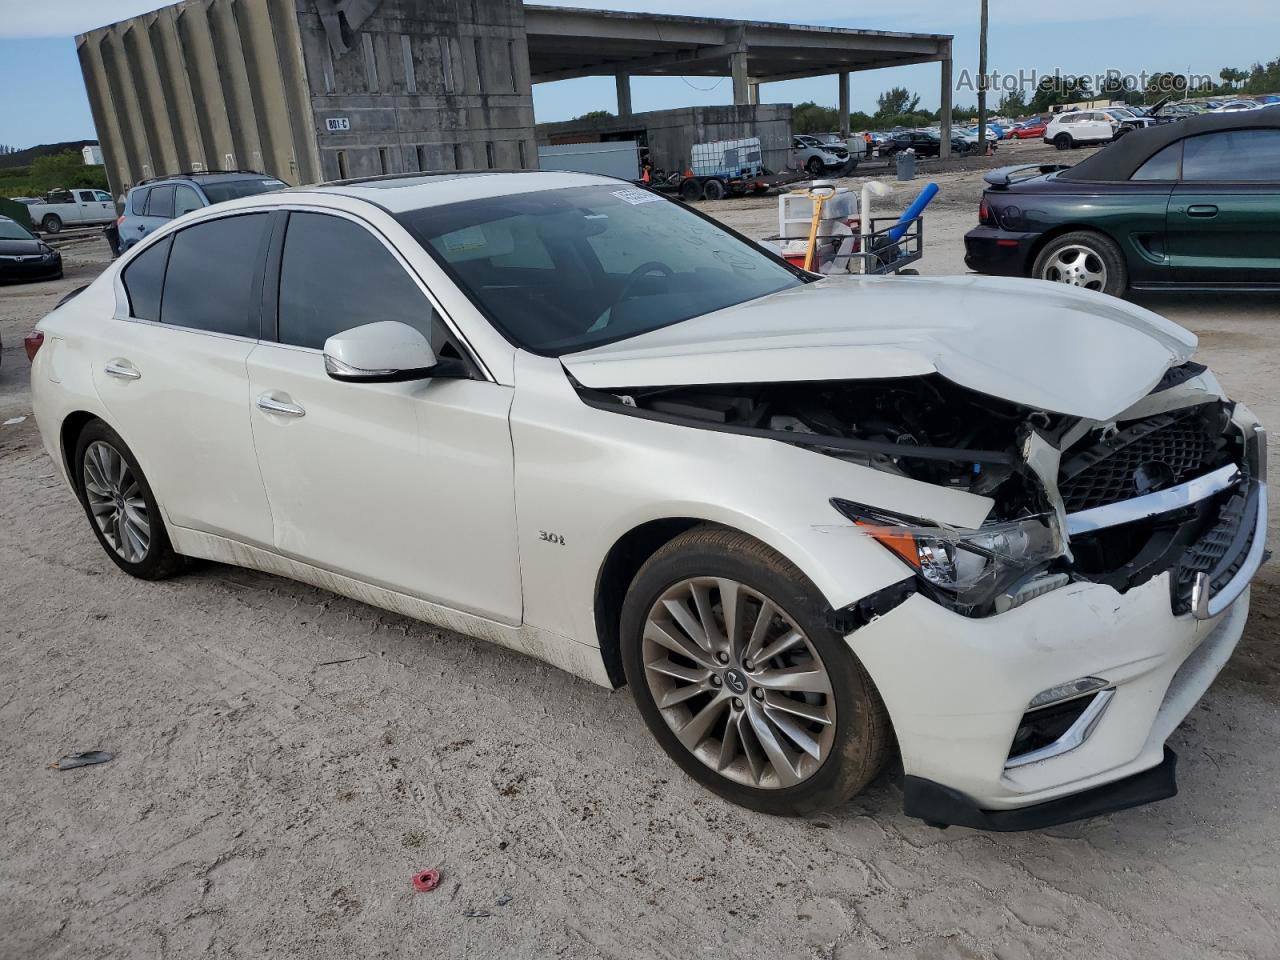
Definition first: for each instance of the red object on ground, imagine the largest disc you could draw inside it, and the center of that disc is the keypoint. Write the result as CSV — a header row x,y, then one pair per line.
x,y
426,881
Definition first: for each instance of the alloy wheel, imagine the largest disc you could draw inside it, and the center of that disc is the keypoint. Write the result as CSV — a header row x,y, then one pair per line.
x,y
116,501
1077,266
739,683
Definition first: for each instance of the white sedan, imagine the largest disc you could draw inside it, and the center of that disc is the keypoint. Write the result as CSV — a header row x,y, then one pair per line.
x,y
1005,528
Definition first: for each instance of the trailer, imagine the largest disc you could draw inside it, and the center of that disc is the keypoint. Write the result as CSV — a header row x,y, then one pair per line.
x,y
723,168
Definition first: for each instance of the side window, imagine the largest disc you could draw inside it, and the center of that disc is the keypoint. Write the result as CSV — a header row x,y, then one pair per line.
x,y
143,280
185,200
84,196
210,281
1163,166
1251,156
102,196
335,275
138,203
161,202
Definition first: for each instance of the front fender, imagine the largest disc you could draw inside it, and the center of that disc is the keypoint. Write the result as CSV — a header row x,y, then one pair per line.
x,y
586,477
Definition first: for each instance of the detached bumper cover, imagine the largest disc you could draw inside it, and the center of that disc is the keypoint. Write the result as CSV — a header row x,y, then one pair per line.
x,y
943,806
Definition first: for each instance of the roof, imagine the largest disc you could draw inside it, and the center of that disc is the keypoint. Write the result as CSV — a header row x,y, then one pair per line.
x,y
1119,160
565,43
398,194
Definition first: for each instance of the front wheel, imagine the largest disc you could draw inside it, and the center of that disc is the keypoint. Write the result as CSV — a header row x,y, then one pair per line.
x,y
1084,259
740,677
815,166
714,190
121,508
52,223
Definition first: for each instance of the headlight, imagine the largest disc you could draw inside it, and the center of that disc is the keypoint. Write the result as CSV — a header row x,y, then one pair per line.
x,y
968,568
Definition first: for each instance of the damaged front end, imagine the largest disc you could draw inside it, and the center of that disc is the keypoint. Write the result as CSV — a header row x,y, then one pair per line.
x,y
1176,484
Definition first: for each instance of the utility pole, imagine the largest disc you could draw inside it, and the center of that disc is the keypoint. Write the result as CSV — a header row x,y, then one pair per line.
x,y
982,83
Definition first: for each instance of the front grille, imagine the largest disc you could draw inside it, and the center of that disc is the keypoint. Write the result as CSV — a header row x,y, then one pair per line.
x,y
1177,446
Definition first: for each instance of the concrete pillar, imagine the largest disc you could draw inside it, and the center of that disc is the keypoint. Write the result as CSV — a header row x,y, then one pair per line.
x,y
738,69
124,96
753,92
105,115
177,84
293,69
843,79
196,35
945,121
236,91
157,119
623,83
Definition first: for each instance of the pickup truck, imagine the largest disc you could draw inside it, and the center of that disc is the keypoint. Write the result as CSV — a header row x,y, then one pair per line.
x,y
78,207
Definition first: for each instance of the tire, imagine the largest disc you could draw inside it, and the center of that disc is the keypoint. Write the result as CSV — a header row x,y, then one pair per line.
x,y
815,166
1063,141
52,223
98,481
1076,258
789,781
714,190
690,190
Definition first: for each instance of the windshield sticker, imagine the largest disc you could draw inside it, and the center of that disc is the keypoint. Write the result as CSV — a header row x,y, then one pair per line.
x,y
465,240
634,197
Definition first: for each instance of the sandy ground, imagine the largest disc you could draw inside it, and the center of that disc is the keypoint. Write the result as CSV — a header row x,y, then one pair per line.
x,y
266,801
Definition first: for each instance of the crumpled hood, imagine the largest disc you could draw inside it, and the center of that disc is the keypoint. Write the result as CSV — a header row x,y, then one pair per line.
x,y
1044,345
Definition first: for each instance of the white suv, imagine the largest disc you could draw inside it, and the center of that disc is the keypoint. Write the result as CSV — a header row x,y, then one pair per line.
x,y
581,420
1080,127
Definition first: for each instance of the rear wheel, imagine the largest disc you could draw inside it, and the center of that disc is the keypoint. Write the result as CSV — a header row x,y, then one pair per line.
x,y
741,679
120,505
1063,141
1084,259
52,223
714,190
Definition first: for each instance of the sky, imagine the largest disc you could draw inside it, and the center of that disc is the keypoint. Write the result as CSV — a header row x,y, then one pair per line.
x,y
43,99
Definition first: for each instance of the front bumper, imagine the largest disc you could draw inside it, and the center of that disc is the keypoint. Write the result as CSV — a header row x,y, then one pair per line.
x,y
998,253
956,690
30,269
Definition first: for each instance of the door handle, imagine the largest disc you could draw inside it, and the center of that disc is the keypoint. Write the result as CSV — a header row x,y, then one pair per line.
x,y
122,369
1204,210
285,409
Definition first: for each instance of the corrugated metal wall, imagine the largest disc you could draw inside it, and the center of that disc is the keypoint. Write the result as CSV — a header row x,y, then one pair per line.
x,y
201,85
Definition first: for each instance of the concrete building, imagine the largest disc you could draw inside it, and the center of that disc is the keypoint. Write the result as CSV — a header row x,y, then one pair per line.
x,y
312,90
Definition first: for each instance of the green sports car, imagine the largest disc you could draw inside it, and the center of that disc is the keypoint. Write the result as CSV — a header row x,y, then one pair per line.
x,y
1191,204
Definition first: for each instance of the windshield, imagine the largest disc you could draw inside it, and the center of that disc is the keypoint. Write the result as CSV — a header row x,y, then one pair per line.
x,y
11,230
557,271
235,189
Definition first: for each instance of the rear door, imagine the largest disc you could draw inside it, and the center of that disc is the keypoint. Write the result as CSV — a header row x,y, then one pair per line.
x,y
409,486
1225,209
172,373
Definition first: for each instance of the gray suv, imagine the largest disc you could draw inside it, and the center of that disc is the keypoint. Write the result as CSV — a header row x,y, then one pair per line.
x,y
153,203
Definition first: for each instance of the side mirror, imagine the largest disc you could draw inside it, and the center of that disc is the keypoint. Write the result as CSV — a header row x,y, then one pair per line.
x,y
384,352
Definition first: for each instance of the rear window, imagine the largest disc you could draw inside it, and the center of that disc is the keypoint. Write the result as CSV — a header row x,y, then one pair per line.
x,y
225,190
143,280
138,201
161,202
1236,156
210,283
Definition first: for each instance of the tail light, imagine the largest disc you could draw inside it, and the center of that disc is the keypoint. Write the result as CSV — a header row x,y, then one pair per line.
x,y
33,341
119,219
984,214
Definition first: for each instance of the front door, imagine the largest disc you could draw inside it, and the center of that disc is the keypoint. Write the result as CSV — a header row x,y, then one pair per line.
x,y
1224,210
408,486
172,371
